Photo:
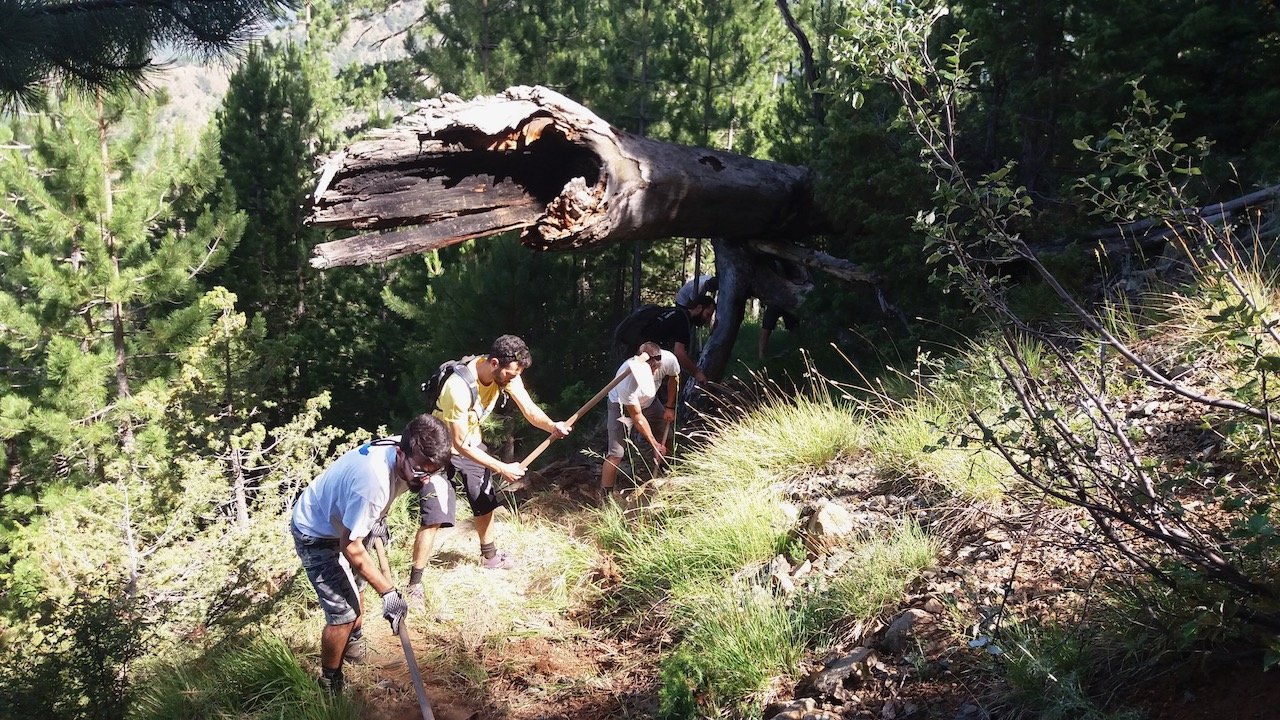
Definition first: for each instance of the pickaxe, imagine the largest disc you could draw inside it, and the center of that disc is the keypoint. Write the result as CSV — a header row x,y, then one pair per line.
x,y
424,705
636,367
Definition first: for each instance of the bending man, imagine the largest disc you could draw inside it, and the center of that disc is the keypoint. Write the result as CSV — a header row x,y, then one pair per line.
x,y
632,407
331,525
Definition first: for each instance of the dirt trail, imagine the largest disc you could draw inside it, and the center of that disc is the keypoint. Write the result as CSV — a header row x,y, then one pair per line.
x,y
488,647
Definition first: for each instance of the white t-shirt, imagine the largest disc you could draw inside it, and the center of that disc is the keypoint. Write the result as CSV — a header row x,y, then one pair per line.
x,y
353,493
691,291
629,392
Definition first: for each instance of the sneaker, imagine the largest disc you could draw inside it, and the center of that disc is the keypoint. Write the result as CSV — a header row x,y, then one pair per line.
x,y
500,561
416,597
332,686
354,653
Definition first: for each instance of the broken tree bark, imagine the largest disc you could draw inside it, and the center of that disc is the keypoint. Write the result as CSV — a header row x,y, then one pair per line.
x,y
532,159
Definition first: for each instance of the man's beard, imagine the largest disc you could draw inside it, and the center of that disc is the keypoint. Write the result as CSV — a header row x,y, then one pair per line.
x,y
415,484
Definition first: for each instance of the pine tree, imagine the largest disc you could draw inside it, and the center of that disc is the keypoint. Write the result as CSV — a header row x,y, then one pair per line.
x,y
102,239
109,45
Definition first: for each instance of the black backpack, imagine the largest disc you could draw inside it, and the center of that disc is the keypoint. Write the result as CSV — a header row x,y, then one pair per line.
x,y
629,333
434,385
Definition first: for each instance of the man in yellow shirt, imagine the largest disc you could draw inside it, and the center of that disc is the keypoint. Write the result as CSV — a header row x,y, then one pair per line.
x,y
462,411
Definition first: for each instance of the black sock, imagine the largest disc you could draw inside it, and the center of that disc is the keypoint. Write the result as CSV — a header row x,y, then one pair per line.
x,y
355,635
331,673
488,550
415,576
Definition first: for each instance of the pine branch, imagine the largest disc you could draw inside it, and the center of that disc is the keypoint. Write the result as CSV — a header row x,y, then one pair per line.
x,y
109,45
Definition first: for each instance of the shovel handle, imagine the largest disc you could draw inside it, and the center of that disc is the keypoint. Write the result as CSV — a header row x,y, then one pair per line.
x,y
574,417
382,558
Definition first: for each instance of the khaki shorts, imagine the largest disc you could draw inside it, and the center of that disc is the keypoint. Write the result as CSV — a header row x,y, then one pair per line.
x,y
618,432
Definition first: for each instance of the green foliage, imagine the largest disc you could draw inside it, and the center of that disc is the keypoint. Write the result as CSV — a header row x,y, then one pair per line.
x,y
1143,170
736,637
736,640
99,263
73,661
1055,430
111,46
1049,671
875,577
498,287
251,679
911,438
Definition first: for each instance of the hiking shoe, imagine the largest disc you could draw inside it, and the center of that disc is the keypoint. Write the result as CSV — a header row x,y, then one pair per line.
x,y
416,597
500,561
354,653
332,686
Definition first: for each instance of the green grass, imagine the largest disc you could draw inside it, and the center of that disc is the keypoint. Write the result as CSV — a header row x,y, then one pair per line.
x,y
736,640
877,576
722,508
259,680
676,555
781,439
1048,671
735,637
907,443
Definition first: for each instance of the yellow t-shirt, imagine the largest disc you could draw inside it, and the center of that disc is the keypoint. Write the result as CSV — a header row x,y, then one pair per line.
x,y
455,401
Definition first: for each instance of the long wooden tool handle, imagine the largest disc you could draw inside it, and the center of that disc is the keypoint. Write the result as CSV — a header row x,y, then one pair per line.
x,y
574,417
423,703
382,558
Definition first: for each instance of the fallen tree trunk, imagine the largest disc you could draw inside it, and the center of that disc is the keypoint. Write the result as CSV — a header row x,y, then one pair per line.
x,y
533,160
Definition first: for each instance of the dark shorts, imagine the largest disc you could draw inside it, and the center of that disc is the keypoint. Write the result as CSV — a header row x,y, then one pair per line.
x,y
438,501
337,587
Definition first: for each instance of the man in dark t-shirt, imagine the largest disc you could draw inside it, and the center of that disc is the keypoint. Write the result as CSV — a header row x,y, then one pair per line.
x,y
673,328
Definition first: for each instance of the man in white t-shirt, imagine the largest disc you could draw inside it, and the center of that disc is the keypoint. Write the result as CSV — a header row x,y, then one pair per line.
x,y
332,523
631,406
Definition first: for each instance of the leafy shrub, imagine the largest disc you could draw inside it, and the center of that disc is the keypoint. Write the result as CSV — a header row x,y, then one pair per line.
x,y
74,663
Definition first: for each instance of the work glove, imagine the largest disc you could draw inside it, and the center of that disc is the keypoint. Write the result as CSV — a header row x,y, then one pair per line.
x,y
417,597
394,608
382,532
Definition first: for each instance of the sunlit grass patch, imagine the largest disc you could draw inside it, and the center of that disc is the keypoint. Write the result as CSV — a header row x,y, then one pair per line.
x,y
261,679
877,575
736,639
909,443
722,507
734,529
778,440
551,570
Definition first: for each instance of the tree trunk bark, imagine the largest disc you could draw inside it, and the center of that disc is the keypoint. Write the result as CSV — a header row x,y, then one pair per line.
x,y
533,160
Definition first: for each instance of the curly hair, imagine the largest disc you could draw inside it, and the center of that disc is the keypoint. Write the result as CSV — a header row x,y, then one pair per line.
x,y
426,437
509,348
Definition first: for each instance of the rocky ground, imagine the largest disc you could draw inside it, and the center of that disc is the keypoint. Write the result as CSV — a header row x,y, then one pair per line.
x,y
931,658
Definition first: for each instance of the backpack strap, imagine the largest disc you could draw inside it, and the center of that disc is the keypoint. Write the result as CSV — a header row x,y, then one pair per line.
x,y
463,370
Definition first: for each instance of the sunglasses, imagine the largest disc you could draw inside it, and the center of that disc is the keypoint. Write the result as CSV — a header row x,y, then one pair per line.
x,y
417,473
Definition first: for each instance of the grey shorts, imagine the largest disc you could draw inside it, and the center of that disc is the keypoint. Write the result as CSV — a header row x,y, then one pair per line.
x,y
336,586
618,432
438,501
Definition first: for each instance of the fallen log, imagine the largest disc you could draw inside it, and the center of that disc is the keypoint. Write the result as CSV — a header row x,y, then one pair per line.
x,y
534,160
